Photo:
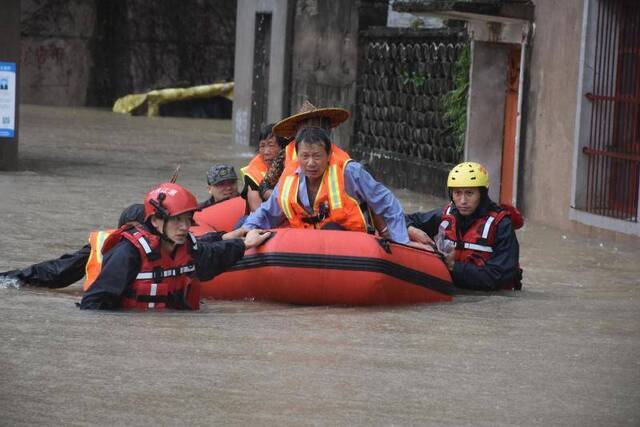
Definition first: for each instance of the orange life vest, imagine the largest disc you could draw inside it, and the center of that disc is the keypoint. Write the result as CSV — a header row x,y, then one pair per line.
x,y
94,265
476,244
332,203
256,169
164,281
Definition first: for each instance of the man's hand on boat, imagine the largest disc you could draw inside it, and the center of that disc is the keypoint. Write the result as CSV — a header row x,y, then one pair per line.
x,y
422,246
252,238
235,234
419,236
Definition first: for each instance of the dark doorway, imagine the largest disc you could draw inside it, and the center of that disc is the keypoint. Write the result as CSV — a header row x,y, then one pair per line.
x,y
260,88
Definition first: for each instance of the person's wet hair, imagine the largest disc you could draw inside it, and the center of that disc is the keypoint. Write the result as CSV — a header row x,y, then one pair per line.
x,y
266,132
314,136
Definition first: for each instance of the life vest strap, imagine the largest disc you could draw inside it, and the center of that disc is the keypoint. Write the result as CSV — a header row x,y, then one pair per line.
x,y
157,299
171,272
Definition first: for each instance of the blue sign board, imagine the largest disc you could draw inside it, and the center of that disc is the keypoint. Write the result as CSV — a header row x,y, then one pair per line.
x,y
7,99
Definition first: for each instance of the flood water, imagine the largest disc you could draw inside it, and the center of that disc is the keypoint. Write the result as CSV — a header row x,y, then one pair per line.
x,y
564,351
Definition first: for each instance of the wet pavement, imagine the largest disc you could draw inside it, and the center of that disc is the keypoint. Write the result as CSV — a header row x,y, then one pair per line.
x,y
562,352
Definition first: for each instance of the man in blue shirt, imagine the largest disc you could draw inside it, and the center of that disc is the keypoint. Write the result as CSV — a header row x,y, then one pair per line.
x,y
330,191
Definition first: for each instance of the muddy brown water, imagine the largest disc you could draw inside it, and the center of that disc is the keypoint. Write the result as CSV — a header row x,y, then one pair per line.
x,y
562,352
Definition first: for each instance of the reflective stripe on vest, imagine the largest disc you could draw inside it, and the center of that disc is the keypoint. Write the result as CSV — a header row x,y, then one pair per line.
x,y
487,227
153,292
284,195
145,244
100,238
476,247
335,201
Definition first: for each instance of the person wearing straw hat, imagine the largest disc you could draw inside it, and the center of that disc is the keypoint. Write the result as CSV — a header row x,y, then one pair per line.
x,y
308,116
324,188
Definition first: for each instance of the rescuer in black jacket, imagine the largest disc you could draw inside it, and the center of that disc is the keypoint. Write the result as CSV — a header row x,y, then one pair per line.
x,y
476,236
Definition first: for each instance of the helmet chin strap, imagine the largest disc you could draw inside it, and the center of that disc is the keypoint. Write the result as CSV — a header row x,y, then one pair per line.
x,y
164,235
164,214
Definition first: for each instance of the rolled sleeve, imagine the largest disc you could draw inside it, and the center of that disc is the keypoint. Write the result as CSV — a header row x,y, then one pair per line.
x,y
361,185
268,215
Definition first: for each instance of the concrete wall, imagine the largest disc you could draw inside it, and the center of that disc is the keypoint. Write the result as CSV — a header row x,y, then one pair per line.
x,y
244,53
325,54
56,51
551,112
90,52
143,45
485,119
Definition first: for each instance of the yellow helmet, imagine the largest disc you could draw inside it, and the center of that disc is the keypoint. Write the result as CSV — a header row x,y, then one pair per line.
x,y
468,174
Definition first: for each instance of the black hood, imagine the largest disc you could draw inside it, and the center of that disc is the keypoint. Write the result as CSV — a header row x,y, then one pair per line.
x,y
134,212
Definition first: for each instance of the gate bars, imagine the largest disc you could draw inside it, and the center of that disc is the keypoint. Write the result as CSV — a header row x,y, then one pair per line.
x,y
613,150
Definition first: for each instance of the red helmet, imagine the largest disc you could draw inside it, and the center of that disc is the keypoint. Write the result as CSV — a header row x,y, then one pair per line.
x,y
168,199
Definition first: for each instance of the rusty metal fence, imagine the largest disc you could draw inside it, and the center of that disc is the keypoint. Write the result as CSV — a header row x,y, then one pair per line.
x,y
613,148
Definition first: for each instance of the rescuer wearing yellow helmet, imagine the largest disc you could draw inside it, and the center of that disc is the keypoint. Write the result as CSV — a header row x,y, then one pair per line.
x,y
475,235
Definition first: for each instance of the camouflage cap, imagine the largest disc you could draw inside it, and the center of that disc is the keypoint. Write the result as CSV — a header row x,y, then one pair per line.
x,y
220,173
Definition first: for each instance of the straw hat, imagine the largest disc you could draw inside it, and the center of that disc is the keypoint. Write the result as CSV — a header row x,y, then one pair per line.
x,y
289,126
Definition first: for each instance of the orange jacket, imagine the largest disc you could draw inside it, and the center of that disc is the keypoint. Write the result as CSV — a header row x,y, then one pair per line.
x,y
332,203
256,169
94,265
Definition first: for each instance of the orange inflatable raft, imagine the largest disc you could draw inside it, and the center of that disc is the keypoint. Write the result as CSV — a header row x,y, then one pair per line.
x,y
327,267
219,217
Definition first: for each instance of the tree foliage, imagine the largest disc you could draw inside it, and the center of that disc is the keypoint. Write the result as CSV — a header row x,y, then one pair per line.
x,y
455,102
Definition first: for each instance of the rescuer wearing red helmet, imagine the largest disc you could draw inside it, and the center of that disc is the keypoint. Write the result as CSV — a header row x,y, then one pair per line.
x,y
160,264
475,235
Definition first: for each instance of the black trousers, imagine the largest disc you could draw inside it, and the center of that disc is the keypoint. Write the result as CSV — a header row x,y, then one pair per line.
x,y
57,273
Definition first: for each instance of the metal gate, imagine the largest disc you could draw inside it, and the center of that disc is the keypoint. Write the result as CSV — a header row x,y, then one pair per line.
x,y
613,150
